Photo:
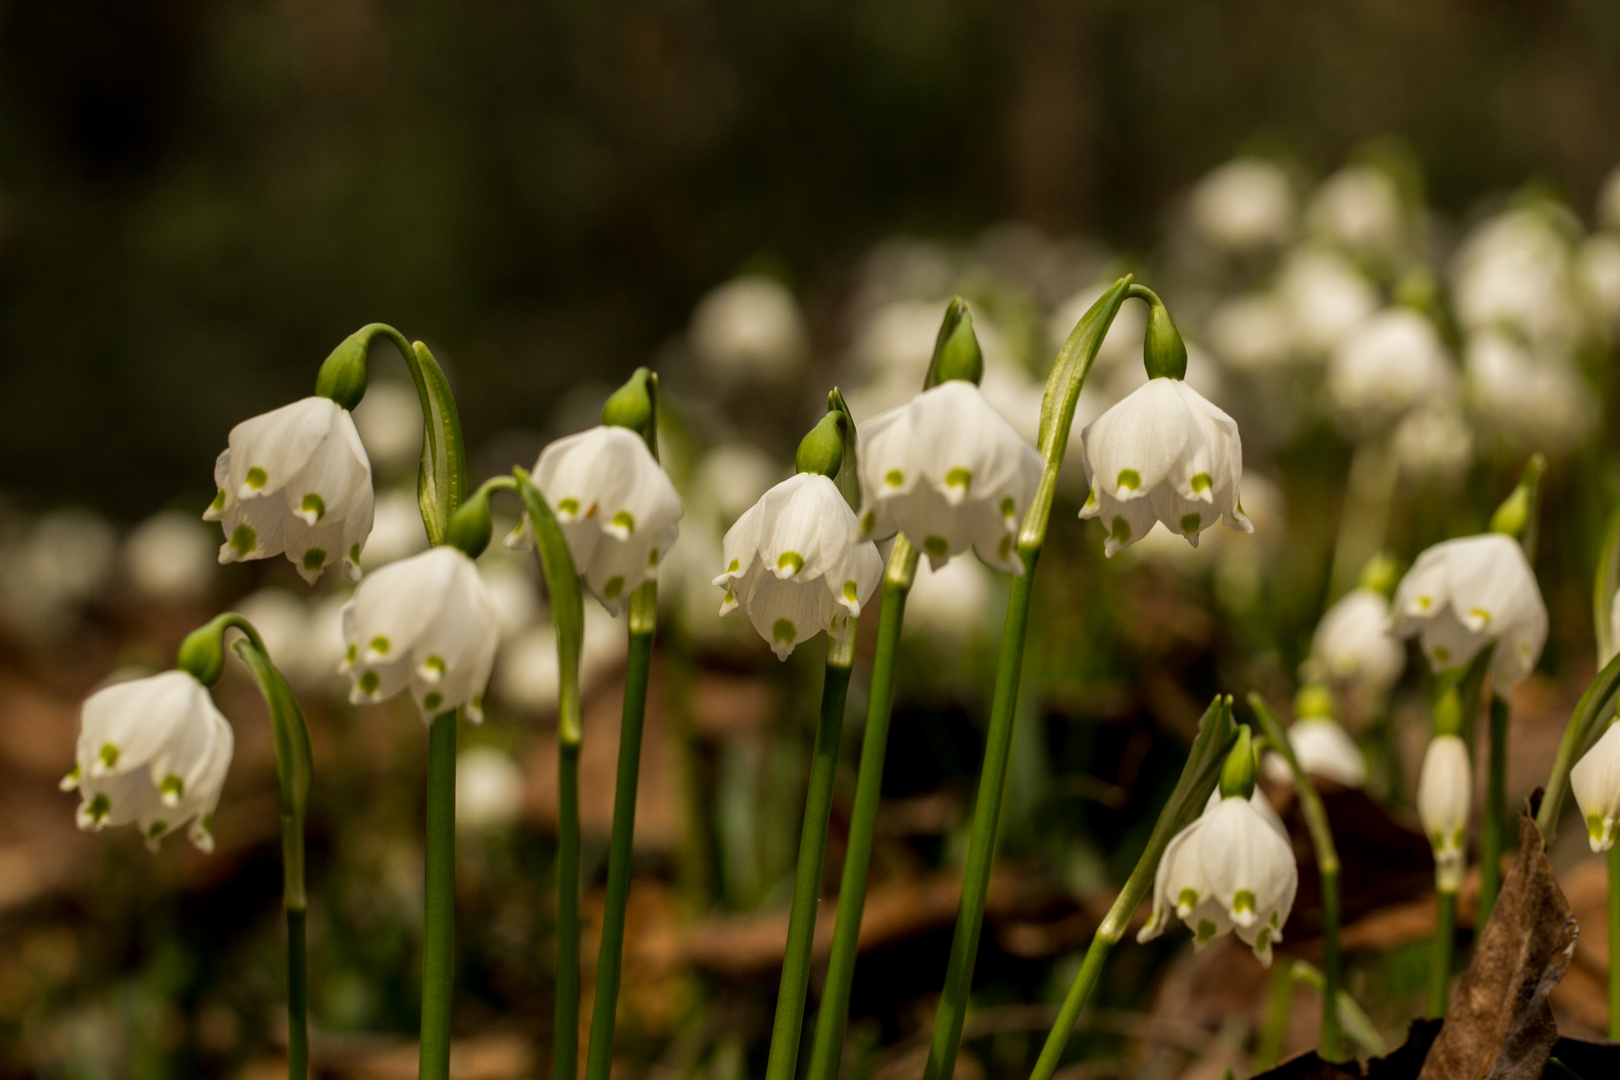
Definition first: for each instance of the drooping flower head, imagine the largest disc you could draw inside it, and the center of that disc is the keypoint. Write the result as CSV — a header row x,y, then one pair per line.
x,y
1163,454
948,471
1353,644
427,623
1465,593
1320,743
152,751
295,480
615,505
1595,780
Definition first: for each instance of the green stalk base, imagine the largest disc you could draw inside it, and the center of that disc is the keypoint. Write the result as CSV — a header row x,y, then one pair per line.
x,y
795,986
439,905
297,997
1445,932
565,1035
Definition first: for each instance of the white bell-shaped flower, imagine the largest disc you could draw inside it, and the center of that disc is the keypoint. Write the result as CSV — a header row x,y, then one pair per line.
x,y
1595,780
615,505
295,480
153,751
428,623
1386,366
1445,788
1243,205
1163,454
796,562
1324,749
948,471
1353,645
1464,593
1231,869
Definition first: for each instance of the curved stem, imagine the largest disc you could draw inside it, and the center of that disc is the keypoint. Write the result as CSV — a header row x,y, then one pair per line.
x,y
982,837
293,774
1445,931
643,620
439,901
1327,866
1490,846
834,1011
795,986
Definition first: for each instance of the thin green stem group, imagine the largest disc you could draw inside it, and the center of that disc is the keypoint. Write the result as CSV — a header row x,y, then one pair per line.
x,y
795,985
439,907
610,956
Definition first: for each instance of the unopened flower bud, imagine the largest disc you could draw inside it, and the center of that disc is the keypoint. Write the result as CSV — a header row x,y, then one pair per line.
x,y
343,374
1444,792
470,525
1237,775
631,405
959,355
1595,781
1163,351
822,450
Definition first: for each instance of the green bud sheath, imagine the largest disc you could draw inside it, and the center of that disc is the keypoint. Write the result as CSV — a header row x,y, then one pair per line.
x,y
1517,512
1237,775
343,375
960,356
470,525
1163,351
822,451
631,405
202,653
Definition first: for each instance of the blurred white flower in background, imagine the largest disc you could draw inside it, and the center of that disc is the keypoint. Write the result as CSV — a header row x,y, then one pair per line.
x,y
1358,209
1324,750
396,530
1326,298
1252,333
1608,207
1434,443
1514,270
1598,264
389,419
952,603
170,557
513,589
749,330
1243,205
51,568
1353,643
1525,400
303,635
526,668
731,478
1386,366
489,788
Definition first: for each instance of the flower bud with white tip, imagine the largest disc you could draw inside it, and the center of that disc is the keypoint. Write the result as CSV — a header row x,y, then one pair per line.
x,y
1231,869
1321,744
946,469
295,480
1595,780
1164,453
153,751
427,623
1444,791
613,501
795,561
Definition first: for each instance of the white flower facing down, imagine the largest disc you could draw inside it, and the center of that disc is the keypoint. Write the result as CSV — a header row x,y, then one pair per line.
x,y
615,505
295,480
1243,205
796,562
153,751
1386,366
1462,594
428,623
1165,454
1324,749
1232,869
1595,781
1353,643
1445,788
948,471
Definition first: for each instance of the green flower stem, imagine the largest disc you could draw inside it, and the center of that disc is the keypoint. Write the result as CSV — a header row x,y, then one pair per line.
x,y
1330,1046
834,1012
565,1034
1445,932
1279,1004
439,907
1352,1018
643,622
1199,776
982,837
293,770
1490,846
1614,942
795,986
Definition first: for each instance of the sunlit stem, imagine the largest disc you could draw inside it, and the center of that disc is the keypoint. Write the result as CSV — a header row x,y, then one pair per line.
x,y
795,985
1330,1046
834,1012
643,622
1445,932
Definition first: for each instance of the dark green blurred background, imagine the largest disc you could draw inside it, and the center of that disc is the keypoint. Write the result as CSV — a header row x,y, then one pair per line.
x,y
197,200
